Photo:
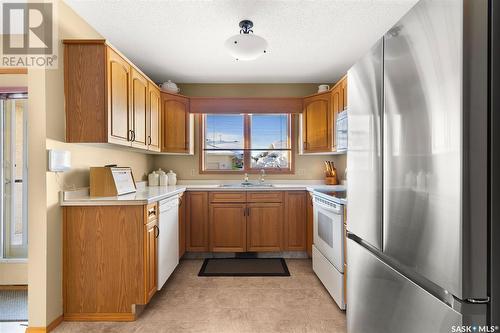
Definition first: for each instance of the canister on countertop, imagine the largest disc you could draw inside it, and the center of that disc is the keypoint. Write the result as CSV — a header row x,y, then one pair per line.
x,y
163,177
153,179
172,178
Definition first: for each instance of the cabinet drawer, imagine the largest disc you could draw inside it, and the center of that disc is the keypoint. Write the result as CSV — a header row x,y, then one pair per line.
x,y
265,196
224,197
151,213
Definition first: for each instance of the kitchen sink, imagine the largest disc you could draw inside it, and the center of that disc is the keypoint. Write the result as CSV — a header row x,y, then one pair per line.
x,y
246,185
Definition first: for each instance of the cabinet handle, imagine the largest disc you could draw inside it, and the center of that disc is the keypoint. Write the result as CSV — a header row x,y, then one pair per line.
x,y
248,211
157,231
130,135
245,212
133,136
151,212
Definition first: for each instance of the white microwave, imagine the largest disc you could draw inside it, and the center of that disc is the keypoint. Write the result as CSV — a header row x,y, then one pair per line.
x,y
341,131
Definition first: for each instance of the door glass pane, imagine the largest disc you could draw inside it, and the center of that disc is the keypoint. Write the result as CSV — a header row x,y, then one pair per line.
x,y
13,206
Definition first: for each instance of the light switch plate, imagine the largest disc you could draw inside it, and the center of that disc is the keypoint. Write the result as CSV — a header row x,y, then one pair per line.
x,y
59,160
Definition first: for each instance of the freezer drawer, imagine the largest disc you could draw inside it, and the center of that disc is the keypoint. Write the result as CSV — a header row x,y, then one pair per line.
x,y
383,300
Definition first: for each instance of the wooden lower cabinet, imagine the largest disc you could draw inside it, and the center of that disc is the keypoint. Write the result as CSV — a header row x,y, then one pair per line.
x,y
151,233
197,221
109,261
228,232
310,224
265,227
182,224
238,221
295,220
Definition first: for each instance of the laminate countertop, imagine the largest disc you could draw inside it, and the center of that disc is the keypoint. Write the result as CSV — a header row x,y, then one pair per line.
x,y
149,194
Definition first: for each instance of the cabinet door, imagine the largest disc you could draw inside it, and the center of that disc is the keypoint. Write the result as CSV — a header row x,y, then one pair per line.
x,y
228,227
310,223
150,259
118,77
197,221
138,114
182,225
295,220
265,227
153,118
175,124
336,108
343,85
317,123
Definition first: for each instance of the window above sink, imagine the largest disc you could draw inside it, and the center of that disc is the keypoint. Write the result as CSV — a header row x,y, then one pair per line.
x,y
246,143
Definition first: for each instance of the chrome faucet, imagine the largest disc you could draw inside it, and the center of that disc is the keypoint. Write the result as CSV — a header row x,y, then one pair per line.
x,y
262,175
245,180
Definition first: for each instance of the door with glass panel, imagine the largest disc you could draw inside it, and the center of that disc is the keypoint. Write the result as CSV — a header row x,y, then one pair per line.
x,y
13,175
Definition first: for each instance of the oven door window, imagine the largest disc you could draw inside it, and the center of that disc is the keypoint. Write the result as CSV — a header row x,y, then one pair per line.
x,y
325,228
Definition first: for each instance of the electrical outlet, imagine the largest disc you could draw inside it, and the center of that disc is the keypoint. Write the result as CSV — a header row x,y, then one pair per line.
x,y
301,172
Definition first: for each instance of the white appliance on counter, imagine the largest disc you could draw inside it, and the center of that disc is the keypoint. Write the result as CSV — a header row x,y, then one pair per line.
x,y
328,245
168,238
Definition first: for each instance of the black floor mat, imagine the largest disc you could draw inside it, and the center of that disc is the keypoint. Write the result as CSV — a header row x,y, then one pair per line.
x,y
244,267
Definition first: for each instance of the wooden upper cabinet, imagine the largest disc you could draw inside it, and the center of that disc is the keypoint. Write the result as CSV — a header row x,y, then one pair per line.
x,y
177,124
154,118
295,217
139,110
85,92
344,92
119,71
319,118
196,221
265,227
228,229
107,98
317,123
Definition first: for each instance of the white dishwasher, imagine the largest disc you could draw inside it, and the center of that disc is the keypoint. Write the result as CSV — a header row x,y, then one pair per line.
x,y
168,238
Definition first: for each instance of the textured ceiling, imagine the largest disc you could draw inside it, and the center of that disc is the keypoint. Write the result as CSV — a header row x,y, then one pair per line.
x,y
183,40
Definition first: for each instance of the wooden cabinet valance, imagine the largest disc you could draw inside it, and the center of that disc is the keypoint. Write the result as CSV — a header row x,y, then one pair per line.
x,y
246,105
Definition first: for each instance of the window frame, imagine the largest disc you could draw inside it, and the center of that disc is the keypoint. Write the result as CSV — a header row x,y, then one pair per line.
x,y
247,150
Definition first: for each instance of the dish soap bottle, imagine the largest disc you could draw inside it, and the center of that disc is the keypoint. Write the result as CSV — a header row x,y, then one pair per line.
x,y
172,178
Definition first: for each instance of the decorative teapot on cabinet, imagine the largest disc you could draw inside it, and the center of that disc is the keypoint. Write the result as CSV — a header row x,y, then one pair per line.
x,y
169,86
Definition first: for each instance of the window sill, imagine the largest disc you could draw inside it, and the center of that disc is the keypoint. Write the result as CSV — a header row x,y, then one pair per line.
x,y
14,261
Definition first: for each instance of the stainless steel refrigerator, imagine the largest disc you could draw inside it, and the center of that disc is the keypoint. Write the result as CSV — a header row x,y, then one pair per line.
x,y
419,174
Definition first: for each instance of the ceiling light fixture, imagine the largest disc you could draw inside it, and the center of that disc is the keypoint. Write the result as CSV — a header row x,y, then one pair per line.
x,y
246,45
